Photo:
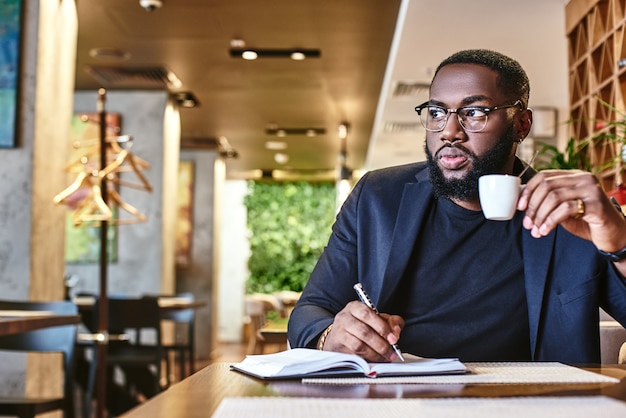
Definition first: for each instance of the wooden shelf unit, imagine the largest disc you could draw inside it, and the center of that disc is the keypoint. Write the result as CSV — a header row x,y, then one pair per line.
x,y
596,43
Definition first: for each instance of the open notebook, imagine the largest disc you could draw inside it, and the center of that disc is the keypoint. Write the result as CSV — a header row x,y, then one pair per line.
x,y
306,362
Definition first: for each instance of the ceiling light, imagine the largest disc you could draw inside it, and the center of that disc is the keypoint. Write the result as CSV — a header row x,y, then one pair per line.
x,y
226,150
294,54
343,130
109,54
281,158
282,132
186,99
249,55
150,5
237,43
276,145
173,80
230,153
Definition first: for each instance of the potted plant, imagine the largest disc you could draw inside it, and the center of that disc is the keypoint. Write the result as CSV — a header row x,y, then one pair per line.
x,y
573,157
610,132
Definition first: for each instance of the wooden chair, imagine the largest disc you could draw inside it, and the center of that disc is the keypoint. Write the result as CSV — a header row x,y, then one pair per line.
x,y
257,307
134,362
140,318
256,318
55,339
612,338
180,345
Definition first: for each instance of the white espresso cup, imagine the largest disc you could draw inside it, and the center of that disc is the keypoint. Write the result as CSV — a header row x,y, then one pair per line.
x,y
498,195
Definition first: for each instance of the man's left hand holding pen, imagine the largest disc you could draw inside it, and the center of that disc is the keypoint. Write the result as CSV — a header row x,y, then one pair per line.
x,y
357,329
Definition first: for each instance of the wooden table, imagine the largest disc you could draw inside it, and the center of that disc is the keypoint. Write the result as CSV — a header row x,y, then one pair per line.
x,y
87,303
177,304
200,394
13,322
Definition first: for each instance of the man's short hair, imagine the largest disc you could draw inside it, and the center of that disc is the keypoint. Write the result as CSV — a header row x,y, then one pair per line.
x,y
512,77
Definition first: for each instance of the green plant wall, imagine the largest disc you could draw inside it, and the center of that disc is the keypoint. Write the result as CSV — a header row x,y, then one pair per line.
x,y
289,226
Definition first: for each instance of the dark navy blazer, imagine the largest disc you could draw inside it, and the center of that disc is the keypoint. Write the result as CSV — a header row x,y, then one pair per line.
x,y
372,240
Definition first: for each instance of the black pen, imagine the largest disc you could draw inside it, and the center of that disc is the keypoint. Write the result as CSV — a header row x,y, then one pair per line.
x,y
368,302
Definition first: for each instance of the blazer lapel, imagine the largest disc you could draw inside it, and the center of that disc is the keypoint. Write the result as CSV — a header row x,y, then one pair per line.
x,y
537,253
415,199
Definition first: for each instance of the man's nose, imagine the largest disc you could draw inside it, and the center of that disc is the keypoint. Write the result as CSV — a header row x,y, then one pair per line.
x,y
453,130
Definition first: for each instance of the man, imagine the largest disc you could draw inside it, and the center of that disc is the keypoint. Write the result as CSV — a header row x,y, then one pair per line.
x,y
448,282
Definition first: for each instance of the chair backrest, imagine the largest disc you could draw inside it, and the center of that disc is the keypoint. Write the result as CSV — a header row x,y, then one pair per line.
x,y
256,314
55,339
270,302
138,314
136,318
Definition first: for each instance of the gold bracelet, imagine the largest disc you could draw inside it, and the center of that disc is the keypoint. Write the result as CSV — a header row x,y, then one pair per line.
x,y
322,340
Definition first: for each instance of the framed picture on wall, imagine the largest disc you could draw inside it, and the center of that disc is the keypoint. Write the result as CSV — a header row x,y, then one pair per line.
x,y
544,123
10,28
184,220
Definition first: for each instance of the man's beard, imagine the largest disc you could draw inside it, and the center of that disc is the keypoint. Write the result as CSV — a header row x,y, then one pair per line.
x,y
466,188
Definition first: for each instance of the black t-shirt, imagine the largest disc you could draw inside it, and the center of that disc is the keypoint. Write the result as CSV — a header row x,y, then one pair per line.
x,y
462,294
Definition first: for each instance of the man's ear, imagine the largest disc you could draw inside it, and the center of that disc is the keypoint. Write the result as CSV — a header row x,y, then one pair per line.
x,y
523,123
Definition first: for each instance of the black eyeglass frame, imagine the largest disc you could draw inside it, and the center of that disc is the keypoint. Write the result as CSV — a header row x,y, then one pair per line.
x,y
485,109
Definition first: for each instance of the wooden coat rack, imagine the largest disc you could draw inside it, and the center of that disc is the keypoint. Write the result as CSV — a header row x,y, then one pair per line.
x,y
90,196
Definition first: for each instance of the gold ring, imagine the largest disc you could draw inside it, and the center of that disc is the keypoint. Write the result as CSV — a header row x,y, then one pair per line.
x,y
581,209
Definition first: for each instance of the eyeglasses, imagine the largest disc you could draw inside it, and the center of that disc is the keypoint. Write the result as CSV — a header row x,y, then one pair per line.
x,y
471,118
